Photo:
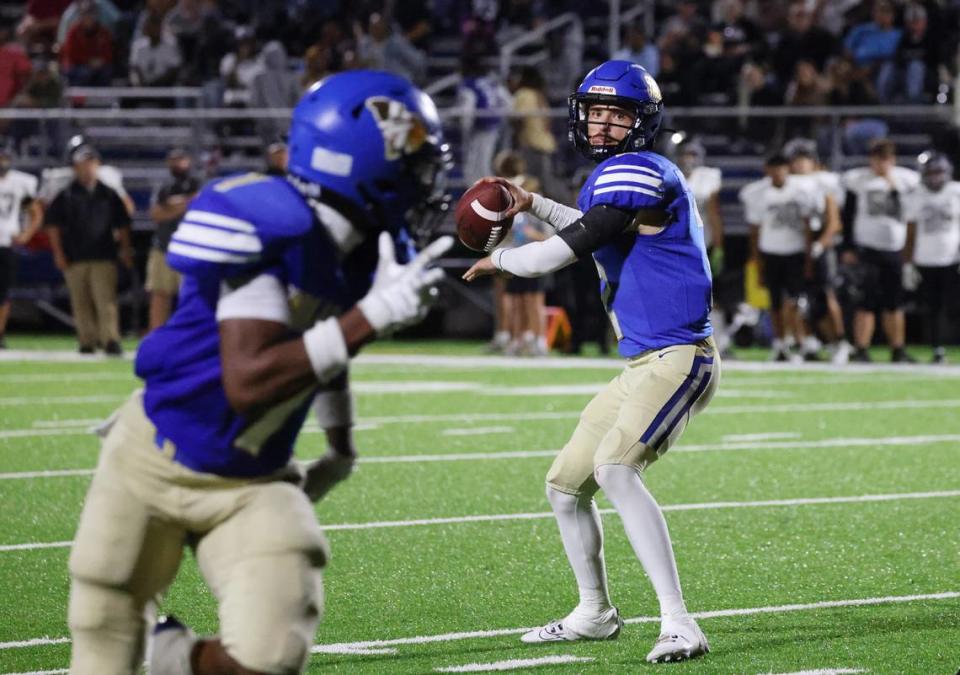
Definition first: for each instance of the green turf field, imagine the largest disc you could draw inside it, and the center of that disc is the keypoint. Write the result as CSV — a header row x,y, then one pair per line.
x,y
815,517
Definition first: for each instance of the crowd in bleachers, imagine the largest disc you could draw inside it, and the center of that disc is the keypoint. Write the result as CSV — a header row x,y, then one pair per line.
x,y
248,54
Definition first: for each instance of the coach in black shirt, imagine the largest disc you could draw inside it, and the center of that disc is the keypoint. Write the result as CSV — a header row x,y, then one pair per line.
x,y
89,230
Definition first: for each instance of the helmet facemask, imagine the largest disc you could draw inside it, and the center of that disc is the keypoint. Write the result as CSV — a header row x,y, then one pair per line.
x,y
640,135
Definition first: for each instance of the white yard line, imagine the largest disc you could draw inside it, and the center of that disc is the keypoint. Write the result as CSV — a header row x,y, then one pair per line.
x,y
56,671
502,517
831,671
514,664
840,442
477,431
364,645
730,438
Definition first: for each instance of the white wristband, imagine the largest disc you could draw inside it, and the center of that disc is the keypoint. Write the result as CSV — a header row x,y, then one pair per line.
x,y
326,349
334,408
495,258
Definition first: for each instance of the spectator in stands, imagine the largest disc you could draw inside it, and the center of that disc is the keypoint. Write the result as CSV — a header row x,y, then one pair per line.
x,y
106,12
274,86
758,87
716,72
239,67
89,229
17,189
169,205
414,19
317,63
14,66
802,39
481,97
807,88
875,235
207,46
38,28
383,48
872,43
850,86
277,155
742,40
912,73
158,9
533,137
44,89
155,56
87,53
639,49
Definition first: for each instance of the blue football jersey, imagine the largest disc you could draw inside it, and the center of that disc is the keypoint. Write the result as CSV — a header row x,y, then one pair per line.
x,y
236,229
656,288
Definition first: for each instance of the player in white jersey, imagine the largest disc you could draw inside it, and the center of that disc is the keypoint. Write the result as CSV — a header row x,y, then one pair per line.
x,y
17,189
825,227
778,209
875,234
932,213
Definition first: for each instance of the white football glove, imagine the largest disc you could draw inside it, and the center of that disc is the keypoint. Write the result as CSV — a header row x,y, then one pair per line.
x,y
402,294
910,277
322,474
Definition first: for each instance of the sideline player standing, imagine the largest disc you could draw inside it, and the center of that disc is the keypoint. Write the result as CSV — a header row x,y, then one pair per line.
x,y
933,240
639,220
17,189
778,210
875,234
825,228
279,291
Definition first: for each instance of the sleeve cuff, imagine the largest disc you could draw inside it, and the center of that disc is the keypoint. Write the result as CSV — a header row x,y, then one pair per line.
x,y
326,349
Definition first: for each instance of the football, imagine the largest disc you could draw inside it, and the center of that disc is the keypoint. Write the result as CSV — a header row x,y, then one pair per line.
x,y
481,223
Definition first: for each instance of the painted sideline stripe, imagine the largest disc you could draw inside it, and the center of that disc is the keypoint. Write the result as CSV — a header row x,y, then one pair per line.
x,y
418,361
704,506
56,671
514,664
340,647
531,454
828,671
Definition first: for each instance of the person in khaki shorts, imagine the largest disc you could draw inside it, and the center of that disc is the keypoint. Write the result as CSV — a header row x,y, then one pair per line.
x,y
89,230
279,292
169,205
638,218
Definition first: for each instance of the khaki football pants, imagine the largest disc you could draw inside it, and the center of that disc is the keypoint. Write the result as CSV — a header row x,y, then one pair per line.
x,y
257,543
638,415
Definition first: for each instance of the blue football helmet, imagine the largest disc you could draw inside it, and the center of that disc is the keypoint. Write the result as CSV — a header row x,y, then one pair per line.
x,y
622,84
936,169
373,140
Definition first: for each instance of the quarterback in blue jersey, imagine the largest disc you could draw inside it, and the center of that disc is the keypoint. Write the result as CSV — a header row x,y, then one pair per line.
x,y
639,220
284,279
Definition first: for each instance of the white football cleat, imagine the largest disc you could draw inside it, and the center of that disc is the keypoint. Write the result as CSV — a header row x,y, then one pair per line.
x,y
679,641
575,627
169,649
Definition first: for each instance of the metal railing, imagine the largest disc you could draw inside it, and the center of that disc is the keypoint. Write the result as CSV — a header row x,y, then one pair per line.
x,y
508,50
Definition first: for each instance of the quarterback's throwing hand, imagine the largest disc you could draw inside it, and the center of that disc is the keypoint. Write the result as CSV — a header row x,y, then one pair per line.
x,y
481,268
402,294
522,200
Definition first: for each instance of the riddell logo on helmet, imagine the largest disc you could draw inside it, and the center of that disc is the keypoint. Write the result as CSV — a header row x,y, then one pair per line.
x,y
597,89
403,132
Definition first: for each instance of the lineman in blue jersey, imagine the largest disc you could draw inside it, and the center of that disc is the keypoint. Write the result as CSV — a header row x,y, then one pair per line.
x,y
284,280
639,220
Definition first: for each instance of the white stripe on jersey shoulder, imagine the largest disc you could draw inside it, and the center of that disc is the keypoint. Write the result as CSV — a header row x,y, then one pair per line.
x,y
208,254
238,242
629,177
628,188
220,220
632,167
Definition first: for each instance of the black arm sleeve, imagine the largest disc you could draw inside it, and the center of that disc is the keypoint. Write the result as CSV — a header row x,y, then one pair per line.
x,y
595,229
847,216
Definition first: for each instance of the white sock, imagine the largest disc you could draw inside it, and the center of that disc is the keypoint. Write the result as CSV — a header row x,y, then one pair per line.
x,y
528,337
582,535
502,337
542,344
777,345
647,531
